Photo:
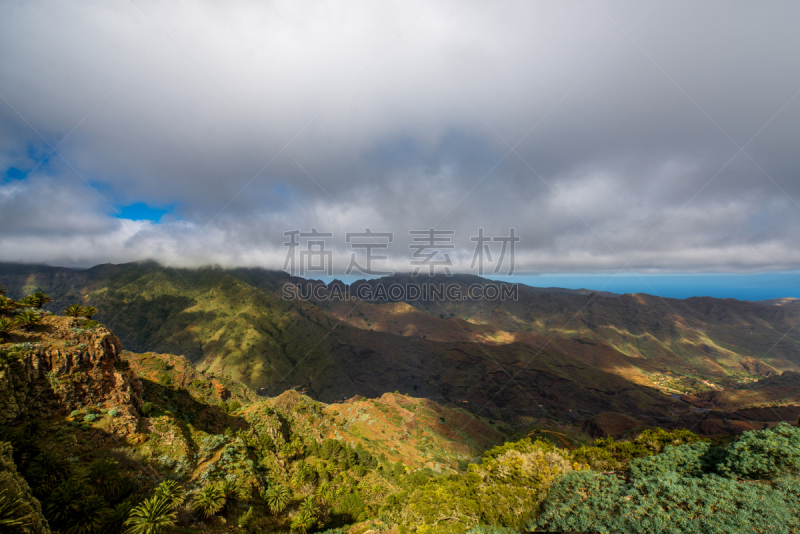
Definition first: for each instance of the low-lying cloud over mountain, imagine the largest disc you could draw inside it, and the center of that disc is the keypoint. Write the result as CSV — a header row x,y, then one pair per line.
x,y
657,135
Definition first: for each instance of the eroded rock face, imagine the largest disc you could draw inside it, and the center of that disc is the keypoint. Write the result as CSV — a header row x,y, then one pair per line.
x,y
67,369
13,487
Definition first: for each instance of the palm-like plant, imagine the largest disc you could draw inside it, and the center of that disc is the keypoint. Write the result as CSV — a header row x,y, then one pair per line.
x,y
277,497
114,522
76,310
5,326
36,300
209,501
40,299
12,514
153,516
303,521
105,478
47,471
325,493
173,492
64,502
27,319
6,304
230,490
3,290
310,506
89,516
88,311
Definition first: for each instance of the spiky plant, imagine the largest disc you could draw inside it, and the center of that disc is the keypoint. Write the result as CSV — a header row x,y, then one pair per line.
x,y
209,501
76,310
153,516
114,522
6,305
89,516
173,492
310,506
105,477
40,299
12,514
5,327
277,497
303,521
27,319
230,490
325,493
47,471
64,502
88,311
3,290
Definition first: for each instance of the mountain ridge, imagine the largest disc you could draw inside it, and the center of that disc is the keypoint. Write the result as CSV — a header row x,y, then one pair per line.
x,y
519,354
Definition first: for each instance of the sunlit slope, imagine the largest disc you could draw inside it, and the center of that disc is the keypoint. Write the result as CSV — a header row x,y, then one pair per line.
x,y
719,338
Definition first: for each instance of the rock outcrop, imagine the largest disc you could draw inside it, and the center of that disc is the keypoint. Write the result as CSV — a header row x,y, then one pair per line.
x,y
67,368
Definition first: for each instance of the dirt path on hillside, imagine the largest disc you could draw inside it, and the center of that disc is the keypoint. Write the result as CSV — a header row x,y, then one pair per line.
x,y
202,465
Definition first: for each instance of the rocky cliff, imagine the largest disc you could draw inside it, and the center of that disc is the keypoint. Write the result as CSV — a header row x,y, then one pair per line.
x,y
66,364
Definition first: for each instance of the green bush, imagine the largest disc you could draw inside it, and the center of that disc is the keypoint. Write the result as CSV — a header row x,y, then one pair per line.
x,y
765,454
90,417
674,491
590,501
609,455
686,460
350,509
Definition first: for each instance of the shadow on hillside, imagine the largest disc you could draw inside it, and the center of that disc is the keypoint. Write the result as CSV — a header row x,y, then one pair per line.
x,y
209,418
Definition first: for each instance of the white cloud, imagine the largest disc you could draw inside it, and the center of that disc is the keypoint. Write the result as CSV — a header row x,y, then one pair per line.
x,y
398,133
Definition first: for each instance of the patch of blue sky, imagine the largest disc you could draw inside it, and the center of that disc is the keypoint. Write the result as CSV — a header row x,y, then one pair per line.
x,y
757,286
143,212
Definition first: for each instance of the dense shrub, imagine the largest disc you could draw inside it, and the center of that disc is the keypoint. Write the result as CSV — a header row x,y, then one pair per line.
x,y
764,455
590,501
609,455
678,490
504,490
689,459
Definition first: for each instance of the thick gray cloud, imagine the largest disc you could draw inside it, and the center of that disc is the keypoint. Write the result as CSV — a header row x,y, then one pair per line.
x,y
625,120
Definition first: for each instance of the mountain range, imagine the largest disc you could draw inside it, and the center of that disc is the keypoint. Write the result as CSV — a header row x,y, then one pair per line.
x,y
563,353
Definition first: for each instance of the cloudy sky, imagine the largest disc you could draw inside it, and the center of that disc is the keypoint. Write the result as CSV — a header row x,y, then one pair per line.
x,y
660,137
